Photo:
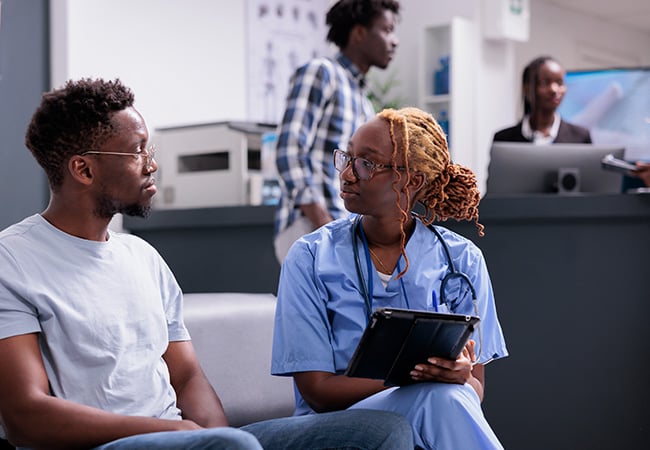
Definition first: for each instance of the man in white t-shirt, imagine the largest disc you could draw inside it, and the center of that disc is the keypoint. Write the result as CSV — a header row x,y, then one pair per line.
x,y
93,349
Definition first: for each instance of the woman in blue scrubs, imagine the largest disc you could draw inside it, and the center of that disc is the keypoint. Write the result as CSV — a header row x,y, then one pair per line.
x,y
383,256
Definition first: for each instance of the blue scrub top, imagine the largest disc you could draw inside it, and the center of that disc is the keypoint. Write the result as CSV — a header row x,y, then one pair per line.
x,y
321,312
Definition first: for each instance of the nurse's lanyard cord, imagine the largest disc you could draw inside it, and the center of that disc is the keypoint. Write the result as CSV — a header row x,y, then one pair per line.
x,y
367,289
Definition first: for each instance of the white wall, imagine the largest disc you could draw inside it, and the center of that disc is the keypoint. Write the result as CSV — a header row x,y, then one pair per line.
x,y
185,60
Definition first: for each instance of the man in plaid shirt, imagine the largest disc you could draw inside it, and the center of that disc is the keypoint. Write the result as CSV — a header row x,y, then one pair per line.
x,y
327,102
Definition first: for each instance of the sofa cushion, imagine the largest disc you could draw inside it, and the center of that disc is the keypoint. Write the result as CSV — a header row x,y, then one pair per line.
x,y
232,335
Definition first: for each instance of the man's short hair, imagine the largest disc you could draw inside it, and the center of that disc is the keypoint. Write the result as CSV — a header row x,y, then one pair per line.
x,y
345,14
72,120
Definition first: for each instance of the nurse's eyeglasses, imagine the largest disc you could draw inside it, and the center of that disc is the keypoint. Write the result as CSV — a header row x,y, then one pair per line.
x,y
362,168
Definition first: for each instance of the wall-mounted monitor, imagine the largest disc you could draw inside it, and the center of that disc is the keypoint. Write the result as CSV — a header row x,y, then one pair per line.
x,y
522,168
614,104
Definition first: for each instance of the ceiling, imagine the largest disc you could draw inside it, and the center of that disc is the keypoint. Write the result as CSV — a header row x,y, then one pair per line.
x,y
630,13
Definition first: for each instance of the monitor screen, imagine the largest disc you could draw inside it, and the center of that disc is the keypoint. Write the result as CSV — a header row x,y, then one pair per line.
x,y
614,104
522,168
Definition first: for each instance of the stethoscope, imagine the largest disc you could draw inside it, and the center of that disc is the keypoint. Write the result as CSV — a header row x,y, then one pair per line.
x,y
367,288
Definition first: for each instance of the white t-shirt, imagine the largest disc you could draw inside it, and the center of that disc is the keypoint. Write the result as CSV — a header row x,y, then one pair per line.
x,y
105,311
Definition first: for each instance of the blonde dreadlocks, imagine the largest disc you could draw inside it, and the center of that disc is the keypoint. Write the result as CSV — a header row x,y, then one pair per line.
x,y
450,190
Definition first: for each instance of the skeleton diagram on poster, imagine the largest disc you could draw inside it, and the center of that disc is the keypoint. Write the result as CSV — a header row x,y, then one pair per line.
x,y
281,36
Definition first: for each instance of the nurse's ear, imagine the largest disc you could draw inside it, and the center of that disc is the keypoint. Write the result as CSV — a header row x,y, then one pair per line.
x,y
415,184
417,181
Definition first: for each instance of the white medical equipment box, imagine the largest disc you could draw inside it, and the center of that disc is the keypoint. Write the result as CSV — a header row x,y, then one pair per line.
x,y
209,165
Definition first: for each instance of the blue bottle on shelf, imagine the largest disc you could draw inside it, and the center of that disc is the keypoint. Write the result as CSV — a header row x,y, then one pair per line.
x,y
271,190
441,77
443,121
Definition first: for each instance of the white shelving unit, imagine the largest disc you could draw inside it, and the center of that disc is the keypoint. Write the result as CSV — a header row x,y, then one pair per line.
x,y
457,40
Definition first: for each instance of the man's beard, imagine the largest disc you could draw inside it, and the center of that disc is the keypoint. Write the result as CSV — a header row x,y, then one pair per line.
x,y
106,208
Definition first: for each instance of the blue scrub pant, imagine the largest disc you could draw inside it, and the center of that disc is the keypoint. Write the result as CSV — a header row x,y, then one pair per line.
x,y
443,416
353,429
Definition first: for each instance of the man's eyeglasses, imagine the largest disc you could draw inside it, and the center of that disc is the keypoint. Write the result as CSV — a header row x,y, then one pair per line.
x,y
147,155
362,168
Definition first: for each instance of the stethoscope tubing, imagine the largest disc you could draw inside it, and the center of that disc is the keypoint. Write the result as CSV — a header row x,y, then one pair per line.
x,y
453,273
366,289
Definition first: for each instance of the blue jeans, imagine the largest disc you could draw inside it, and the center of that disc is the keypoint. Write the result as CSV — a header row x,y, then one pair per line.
x,y
205,439
357,429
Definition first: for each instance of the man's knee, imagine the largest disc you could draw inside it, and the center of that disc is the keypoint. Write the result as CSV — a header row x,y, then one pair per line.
x,y
391,429
232,438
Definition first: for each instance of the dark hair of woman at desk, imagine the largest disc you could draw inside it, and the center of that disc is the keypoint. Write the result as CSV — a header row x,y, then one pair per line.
x,y
543,89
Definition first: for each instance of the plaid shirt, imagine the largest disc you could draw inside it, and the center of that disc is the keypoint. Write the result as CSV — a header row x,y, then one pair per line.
x,y
326,103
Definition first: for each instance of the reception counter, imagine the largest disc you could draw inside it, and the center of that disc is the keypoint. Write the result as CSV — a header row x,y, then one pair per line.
x,y
570,275
228,249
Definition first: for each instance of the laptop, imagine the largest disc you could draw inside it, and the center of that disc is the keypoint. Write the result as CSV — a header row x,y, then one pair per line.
x,y
522,168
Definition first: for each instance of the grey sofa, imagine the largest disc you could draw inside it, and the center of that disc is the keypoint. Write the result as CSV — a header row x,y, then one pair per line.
x,y
232,334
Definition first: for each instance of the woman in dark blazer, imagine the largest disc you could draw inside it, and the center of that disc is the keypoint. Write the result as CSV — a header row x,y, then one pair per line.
x,y
543,89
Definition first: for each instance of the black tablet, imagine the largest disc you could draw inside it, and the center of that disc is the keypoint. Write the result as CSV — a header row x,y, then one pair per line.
x,y
395,340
